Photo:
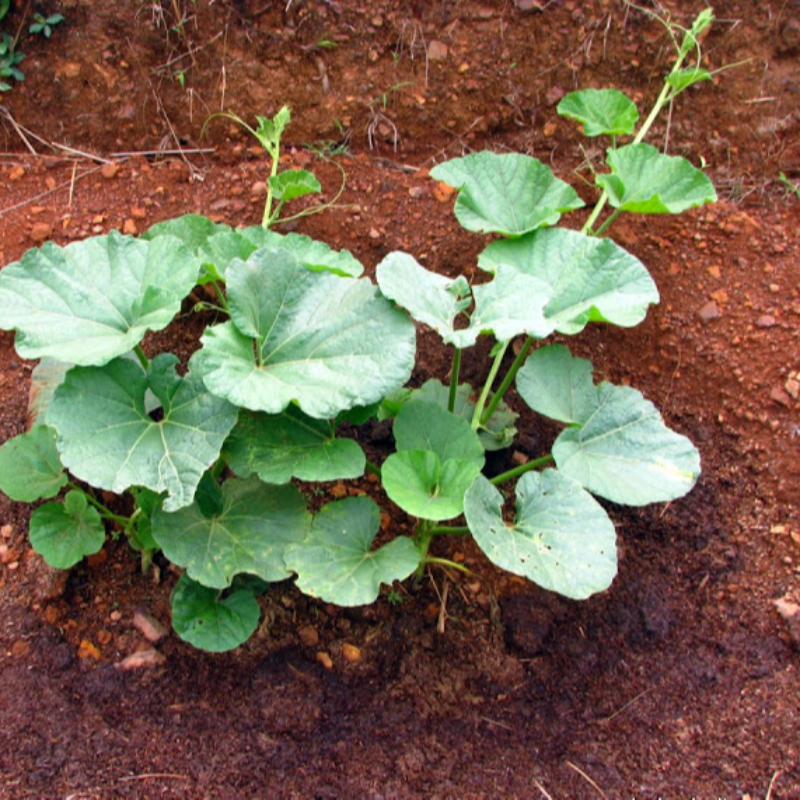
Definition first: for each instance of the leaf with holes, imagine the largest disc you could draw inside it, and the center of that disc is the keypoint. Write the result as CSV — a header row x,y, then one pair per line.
x,y
561,538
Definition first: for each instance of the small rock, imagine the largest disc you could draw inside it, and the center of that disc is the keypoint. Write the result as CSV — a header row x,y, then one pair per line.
x,y
309,635
16,174
149,626
41,232
351,653
779,396
88,650
7,531
109,171
325,659
142,659
71,69
527,6
709,312
443,192
554,95
129,227
417,192
550,128
220,205
374,233
766,321
792,387
258,189
791,614
437,51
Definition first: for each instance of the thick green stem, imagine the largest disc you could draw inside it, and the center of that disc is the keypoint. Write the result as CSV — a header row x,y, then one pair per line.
x,y
104,512
449,530
274,154
507,381
521,470
223,301
608,222
498,360
143,359
454,372
422,539
373,468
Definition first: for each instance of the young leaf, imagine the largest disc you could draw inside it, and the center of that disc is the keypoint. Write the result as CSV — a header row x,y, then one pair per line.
x,y
601,111
336,562
325,342
95,299
107,438
511,194
426,487
315,255
499,431
64,533
432,299
618,446
293,183
421,425
561,539
249,534
206,620
589,279
645,181
30,468
278,447
684,78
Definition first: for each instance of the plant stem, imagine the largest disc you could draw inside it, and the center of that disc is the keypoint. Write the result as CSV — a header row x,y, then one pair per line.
x,y
104,512
454,371
608,222
373,468
498,359
274,154
143,359
521,470
449,530
510,375
223,301
422,539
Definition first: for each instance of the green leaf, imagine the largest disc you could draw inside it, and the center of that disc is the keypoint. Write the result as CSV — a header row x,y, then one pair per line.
x,y
47,376
554,383
107,438
561,539
684,78
510,194
64,533
499,431
336,562
618,446
426,487
249,534
194,230
30,468
422,425
278,447
206,620
93,300
600,111
645,181
294,183
325,342
589,279
432,299
315,255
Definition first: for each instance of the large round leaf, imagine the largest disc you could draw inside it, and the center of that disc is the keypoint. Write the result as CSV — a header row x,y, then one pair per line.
x,y
618,446
278,447
644,180
601,111
30,468
325,342
209,621
64,533
510,193
93,300
561,539
336,562
589,279
248,534
107,438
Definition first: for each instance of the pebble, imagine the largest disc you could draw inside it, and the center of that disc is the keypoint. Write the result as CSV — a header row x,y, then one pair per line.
x,y
325,659
148,626
710,311
766,321
109,171
351,653
527,6
309,635
437,51
143,659
791,614
41,232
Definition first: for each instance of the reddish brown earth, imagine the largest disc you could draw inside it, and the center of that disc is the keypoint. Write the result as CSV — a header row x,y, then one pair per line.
x,y
682,680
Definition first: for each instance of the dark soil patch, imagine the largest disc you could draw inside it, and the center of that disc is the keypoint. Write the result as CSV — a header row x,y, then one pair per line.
x,y
682,679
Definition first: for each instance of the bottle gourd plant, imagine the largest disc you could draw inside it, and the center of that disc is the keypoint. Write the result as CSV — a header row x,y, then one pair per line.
x,y
209,456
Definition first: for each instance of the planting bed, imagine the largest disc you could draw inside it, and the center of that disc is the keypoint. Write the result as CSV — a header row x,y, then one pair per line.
x,y
681,680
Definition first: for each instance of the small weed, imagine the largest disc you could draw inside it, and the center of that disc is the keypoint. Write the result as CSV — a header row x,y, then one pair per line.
x,y
394,598
791,188
44,25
